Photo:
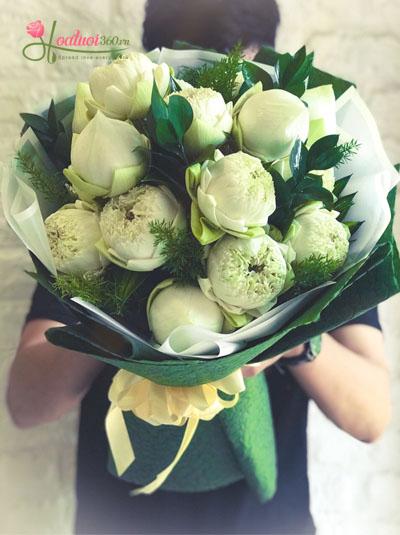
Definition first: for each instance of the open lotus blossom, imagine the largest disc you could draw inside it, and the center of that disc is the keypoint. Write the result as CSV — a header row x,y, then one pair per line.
x,y
73,232
246,275
235,193
125,225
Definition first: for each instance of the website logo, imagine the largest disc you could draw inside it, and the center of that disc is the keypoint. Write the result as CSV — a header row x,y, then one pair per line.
x,y
77,45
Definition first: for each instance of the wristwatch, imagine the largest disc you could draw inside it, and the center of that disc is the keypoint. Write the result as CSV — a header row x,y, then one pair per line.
x,y
312,349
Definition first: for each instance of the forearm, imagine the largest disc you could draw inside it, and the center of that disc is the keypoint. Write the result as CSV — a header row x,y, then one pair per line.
x,y
45,382
351,389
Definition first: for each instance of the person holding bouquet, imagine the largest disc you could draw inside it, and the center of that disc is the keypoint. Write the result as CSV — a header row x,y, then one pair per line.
x,y
348,379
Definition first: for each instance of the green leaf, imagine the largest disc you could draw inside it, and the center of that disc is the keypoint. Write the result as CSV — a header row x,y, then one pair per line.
x,y
36,122
298,160
333,157
318,77
353,226
267,55
300,68
343,205
281,66
340,185
180,114
322,145
52,119
252,74
165,133
159,108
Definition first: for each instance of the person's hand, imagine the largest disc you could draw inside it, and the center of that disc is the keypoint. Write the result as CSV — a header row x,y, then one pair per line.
x,y
250,370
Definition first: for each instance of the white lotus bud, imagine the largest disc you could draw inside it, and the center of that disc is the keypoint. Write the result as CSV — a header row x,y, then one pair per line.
x,y
212,119
246,274
72,232
235,192
125,225
315,232
122,89
172,305
107,158
267,123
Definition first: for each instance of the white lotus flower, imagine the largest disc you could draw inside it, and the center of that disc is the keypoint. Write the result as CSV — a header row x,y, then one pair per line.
x,y
72,232
122,89
172,305
235,193
315,232
246,275
125,225
107,158
212,119
267,123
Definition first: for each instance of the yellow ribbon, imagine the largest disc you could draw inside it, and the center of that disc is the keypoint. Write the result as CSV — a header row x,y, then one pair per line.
x,y
162,405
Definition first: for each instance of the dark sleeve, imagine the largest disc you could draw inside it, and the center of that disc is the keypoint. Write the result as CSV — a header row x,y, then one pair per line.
x,y
369,318
44,305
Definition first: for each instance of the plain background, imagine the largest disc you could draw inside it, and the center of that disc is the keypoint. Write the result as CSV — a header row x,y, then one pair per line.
x,y
355,487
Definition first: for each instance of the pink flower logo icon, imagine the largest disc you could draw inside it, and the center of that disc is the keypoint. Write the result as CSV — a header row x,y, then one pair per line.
x,y
35,28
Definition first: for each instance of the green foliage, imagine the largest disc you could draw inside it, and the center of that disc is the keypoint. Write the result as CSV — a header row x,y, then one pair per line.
x,y
52,131
252,74
220,75
305,186
89,287
52,187
111,290
326,153
316,77
292,72
310,273
167,123
184,256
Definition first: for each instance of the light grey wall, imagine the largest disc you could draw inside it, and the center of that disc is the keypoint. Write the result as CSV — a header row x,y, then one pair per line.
x,y
355,488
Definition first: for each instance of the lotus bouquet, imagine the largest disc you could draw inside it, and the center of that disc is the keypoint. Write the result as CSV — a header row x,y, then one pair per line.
x,y
198,212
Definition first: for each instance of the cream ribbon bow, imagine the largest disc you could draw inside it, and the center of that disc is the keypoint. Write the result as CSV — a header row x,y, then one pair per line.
x,y
163,405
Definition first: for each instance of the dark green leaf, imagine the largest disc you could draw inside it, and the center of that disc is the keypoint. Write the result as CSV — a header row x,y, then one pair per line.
x,y
298,160
318,148
165,133
252,74
180,114
343,205
280,67
159,108
52,119
353,226
296,89
340,185
36,122
267,55
318,78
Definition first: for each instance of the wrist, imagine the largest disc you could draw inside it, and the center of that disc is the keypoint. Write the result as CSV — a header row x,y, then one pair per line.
x,y
310,351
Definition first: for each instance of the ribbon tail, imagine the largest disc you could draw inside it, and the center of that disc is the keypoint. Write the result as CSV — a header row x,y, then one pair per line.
x,y
191,427
118,439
